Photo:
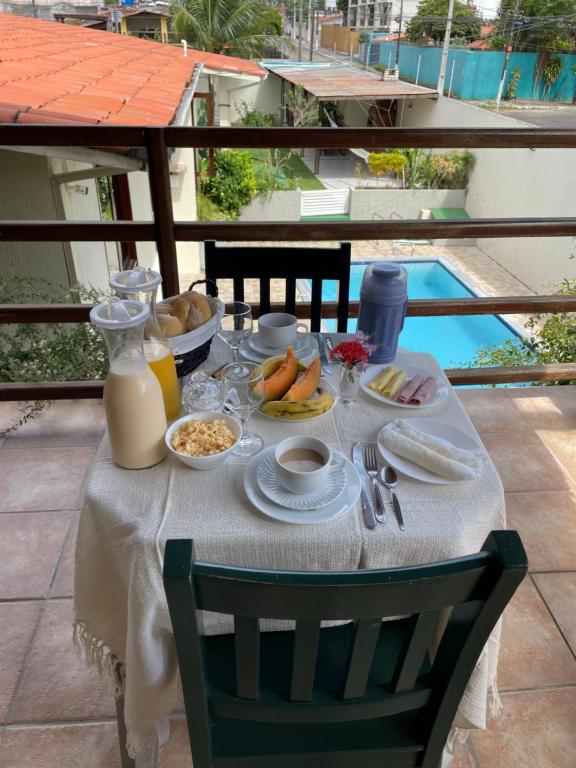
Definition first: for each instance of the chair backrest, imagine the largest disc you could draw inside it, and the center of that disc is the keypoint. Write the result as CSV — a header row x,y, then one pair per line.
x,y
292,264
475,589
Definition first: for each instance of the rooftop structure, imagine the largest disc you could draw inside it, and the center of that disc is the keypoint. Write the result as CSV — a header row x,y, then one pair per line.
x,y
333,83
57,73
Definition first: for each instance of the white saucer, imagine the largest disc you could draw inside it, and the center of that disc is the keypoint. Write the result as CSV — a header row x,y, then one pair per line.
x,y
300,345
336,508
438,429
270,487
411,371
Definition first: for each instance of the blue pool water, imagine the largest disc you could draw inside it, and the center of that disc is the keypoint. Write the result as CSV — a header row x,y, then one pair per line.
x,y
452,340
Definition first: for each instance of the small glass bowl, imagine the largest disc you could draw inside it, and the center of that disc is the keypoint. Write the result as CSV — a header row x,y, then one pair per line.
x,y
202,393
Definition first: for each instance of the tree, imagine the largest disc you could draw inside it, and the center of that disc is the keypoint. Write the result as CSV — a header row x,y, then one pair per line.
x,y
246,28
429,23
300,108
532,32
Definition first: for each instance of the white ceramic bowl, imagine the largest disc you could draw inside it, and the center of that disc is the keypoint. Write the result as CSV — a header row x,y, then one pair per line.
x,y
204,462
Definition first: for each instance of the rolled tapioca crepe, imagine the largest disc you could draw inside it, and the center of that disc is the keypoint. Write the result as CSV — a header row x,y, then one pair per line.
x,y
433,453
380,381
425,391
394,385
409,389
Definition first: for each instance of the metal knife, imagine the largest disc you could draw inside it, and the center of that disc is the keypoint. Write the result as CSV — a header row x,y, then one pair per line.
x,y
367,507
398,511
326,367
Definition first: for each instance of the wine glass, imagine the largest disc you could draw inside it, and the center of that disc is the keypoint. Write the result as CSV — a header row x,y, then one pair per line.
x,y
243,389
235,325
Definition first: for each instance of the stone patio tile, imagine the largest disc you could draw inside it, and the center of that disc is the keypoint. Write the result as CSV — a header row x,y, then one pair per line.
x,y
65,424
546,407
57,684
546,523
525,462
63,585
533,653
17,622
563,446
91,745
42,479
30,546
490,410
535,730
559,592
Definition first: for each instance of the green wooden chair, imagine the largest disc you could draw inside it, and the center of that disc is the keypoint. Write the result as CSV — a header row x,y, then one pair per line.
x,y
365,693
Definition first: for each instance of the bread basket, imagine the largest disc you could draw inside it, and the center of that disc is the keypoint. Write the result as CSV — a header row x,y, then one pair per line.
x,y
192,349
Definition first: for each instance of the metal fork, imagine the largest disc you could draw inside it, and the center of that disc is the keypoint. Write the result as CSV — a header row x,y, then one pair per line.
x,y
371,464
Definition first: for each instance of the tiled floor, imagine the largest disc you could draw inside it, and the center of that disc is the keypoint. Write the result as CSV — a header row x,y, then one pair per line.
x,y
56,713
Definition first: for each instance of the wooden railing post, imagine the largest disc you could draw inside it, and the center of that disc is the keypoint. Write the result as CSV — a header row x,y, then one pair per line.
x,y
161,195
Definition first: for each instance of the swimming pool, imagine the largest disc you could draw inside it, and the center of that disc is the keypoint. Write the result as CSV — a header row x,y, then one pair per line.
x,y
453,340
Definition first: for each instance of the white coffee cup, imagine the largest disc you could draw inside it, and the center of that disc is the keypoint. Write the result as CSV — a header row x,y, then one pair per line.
x,y
295,458
279,329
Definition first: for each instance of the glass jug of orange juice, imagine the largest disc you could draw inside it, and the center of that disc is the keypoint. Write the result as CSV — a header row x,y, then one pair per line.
x,y
140,284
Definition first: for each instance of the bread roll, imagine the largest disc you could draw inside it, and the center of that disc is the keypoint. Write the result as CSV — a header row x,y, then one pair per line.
x,y
163,309
180,309
200,310
170,325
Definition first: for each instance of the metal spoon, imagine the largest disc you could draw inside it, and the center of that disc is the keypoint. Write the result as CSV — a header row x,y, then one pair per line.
x,y
389,478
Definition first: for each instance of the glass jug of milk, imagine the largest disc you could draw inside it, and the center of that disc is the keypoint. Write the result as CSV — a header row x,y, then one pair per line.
x,y
132,394
140,284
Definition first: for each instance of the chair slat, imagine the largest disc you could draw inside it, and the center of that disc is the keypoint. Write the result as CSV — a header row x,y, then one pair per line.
x,y
416,642
247,652
306,637
361,656
238,288
291,295
344,291
264,295
316,301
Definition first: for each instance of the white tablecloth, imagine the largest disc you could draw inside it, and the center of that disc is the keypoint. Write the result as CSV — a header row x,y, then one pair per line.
x,y
127,516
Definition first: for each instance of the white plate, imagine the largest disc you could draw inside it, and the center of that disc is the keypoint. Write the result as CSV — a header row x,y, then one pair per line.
x,y
337,508
303,421
411,371
437,429
270,487
303,341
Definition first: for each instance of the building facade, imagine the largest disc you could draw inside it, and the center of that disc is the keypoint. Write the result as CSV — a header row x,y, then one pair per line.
x,y
380,15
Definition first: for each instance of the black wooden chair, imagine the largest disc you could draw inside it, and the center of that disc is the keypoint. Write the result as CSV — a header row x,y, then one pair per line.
x,y
266,264
363,694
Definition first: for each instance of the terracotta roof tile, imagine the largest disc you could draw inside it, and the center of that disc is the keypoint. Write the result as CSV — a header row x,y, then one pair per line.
x,y
52,72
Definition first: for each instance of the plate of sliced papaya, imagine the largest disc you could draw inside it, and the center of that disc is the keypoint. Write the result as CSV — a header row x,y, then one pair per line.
x,y
292,390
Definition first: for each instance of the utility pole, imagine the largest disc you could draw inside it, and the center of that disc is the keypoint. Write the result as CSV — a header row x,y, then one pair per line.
x,y
507,56
445,50
399,33
300,32
311,14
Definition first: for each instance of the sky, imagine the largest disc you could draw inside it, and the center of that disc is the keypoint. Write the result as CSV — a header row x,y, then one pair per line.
x,y
487,8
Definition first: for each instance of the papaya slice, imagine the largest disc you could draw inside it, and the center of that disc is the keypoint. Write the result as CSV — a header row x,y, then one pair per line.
x,y
305,385
276,385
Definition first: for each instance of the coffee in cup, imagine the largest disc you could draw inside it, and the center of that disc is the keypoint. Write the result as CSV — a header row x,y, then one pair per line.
x,y
304,463
279,329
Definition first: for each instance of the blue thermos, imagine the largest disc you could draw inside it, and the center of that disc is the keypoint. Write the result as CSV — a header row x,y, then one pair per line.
x,y
383,300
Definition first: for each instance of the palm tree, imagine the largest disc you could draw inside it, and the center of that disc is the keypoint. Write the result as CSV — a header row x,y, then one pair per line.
x,y
246,28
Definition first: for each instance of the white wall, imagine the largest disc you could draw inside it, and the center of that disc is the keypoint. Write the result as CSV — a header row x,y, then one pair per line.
x,y
405,203
231,92
515,183
81,202
277,206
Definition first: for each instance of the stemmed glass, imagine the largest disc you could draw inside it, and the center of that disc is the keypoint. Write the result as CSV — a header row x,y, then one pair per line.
x,y
235,325
243,389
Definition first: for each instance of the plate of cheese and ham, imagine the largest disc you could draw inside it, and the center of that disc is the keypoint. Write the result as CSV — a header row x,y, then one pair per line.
x,y
406,387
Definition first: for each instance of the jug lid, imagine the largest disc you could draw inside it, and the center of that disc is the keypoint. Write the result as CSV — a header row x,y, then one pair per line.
x,y
384,280
137,279
118,314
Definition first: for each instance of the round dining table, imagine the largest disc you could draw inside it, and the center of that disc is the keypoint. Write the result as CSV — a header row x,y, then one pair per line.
x,y
121,615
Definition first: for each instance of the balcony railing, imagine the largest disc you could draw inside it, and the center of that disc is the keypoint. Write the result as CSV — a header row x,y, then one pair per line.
x,y
165,232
